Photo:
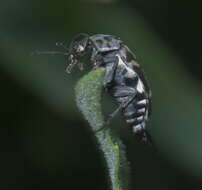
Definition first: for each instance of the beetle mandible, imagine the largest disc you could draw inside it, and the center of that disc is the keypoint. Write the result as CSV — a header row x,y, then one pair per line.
x,y
123,80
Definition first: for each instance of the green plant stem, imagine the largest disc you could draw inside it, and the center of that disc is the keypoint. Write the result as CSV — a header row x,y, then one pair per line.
x,y
88,98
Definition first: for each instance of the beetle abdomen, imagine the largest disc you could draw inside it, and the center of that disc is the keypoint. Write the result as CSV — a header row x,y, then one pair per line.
x,y
136,114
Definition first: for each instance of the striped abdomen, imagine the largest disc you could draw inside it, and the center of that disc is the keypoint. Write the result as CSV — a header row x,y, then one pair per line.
x,y
136,114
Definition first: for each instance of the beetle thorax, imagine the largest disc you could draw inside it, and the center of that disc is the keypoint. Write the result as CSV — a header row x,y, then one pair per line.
x,y
104,43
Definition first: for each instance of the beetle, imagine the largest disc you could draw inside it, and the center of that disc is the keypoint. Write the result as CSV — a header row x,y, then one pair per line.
x,y
124,80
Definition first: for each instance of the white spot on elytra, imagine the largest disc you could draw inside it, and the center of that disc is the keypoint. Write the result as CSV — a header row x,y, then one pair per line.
x,y
140,86
143,125
142,110
130,72
146,115
137,128
140,118
142,101
130,120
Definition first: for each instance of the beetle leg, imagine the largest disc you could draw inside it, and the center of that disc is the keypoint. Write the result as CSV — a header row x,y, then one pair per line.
x,y
121,106
113,114
110,72
102,128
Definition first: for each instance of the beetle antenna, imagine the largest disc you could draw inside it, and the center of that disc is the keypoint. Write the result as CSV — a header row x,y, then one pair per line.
x,y
49,53
61,44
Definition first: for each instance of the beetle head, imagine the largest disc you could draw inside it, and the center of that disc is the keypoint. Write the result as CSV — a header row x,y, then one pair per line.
x,y
77,48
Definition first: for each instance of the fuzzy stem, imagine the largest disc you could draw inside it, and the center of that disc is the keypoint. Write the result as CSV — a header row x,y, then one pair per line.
x,y
88,98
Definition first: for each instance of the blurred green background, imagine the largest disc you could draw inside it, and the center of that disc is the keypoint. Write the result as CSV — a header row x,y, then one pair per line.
x,y
45,142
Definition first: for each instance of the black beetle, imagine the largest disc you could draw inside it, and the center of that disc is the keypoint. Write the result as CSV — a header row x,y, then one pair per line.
x,y
124,80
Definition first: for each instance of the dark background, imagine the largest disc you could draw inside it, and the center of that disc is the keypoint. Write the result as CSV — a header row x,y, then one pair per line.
x,y
45,142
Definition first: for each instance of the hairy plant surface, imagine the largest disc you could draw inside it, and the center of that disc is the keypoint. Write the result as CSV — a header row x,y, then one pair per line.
x,y
88,98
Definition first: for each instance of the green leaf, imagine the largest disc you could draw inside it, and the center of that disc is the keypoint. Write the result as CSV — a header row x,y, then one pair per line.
x,y
88,98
